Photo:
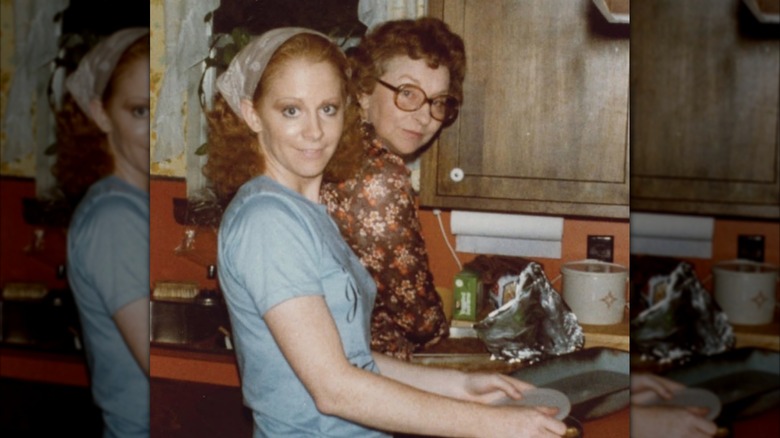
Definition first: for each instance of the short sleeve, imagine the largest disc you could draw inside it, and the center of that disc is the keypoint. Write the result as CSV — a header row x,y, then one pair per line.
x,y
113,249
272,252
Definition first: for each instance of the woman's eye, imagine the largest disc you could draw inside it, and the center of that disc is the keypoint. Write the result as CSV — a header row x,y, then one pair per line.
x,y
140,111
290,111
330,110
406,93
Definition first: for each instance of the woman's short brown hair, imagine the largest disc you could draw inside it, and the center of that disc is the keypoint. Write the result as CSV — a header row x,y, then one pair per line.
x,y
426,38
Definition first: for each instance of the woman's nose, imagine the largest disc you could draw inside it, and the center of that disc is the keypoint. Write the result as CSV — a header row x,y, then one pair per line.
x,y
313,129
423,114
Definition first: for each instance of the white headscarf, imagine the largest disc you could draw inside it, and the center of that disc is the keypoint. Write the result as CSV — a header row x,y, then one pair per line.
x,y
240,80
90,79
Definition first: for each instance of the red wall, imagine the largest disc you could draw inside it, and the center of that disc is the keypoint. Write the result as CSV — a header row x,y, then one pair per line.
x,y
16,264
166,235
573,247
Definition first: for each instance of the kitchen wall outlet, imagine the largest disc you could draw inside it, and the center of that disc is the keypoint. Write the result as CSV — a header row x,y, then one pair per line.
x,y
750,247
601,248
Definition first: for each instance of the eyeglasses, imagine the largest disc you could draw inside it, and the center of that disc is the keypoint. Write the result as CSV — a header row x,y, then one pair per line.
x,y
410,97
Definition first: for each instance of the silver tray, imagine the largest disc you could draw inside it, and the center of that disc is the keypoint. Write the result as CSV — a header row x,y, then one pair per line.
x,y
596,380
746,380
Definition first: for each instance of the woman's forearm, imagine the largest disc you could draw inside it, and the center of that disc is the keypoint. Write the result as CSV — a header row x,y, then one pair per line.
x,y
440,381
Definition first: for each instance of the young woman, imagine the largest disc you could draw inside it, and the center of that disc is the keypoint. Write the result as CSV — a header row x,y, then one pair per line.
x,y
103,149
299,299
408,77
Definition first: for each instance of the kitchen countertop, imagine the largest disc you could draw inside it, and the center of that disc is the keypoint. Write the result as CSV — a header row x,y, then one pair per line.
x,y
466,352
218,366
177,363
41,366
761,336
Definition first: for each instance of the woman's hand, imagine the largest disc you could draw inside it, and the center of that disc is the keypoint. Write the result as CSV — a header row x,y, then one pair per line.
x,y
516,421
670,422
489,388
645,386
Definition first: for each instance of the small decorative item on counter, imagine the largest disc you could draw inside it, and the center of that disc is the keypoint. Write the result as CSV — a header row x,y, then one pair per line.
x,y
468,296
533,324
683,320
503,290
491,268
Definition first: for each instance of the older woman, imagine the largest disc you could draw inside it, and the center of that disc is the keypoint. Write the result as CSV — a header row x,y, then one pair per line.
x,y
409,76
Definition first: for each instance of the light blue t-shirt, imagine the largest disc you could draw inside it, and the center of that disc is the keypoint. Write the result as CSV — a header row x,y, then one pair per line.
x,y
108,268
275,245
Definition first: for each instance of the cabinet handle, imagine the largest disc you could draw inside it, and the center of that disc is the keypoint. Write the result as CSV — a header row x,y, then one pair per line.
x,y
614,11
456,174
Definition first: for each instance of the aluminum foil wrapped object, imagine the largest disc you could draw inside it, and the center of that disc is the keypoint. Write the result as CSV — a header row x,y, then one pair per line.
x,y
536,323
683,320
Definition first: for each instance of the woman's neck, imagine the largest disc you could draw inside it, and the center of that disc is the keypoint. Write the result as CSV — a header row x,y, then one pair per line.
x,y
132,176
309,188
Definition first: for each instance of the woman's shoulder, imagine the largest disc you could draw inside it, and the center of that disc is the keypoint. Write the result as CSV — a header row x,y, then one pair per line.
x,y
112,201
262,200
383,165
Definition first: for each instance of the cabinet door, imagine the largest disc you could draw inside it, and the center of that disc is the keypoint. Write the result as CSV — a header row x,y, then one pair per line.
x,y
544,123
704,106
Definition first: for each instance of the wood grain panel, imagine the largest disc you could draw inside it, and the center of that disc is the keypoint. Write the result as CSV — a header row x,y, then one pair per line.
x,y
704,104
544,125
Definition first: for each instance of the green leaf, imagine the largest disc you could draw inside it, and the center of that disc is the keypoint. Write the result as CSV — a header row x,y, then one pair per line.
x,y
202,150
51,150
228,53
241,36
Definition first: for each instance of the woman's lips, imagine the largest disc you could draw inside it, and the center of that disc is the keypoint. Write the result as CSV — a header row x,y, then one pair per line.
x,y
413,134
311,153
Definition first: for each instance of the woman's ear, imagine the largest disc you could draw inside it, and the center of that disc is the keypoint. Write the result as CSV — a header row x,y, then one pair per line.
x,y
250,115
364,100
99,116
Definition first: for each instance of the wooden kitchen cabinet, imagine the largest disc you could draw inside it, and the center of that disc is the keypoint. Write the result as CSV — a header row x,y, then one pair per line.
x,y
704,109
544,123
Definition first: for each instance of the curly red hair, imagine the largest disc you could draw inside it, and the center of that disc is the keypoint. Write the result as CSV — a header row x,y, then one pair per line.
x,y
83,152
234,154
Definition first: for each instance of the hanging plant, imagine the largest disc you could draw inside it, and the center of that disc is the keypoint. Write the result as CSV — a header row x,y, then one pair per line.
x,y
224,47
72,47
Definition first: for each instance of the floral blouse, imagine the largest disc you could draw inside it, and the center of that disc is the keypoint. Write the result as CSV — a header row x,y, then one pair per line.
x,y
377,216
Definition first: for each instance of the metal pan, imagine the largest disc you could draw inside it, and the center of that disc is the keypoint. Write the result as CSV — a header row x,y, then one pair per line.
x,y
746,380
596,380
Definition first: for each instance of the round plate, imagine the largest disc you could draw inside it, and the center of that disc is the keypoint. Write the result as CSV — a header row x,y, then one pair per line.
x,y
692,397
542,397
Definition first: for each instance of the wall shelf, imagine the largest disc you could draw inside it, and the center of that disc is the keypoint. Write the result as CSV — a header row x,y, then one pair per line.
x,y
198,213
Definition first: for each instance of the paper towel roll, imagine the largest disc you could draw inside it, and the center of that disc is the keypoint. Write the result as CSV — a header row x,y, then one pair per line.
x,y
671,235
671,226
506,225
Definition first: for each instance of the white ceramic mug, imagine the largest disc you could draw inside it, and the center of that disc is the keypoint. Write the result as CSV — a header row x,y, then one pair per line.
x,y
595,291
745,290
